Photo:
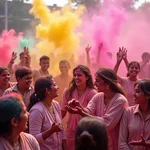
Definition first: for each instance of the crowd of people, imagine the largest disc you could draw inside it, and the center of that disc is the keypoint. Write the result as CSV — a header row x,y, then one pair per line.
x,y
73,112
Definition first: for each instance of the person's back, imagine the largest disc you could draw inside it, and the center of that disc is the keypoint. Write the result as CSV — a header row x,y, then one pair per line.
x,y
91,134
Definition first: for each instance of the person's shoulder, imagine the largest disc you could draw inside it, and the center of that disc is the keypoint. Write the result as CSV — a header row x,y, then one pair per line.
x,y
56,103
10,89
38,106
121,97
28,137
131,109
124,78
99,95
35,71
92,90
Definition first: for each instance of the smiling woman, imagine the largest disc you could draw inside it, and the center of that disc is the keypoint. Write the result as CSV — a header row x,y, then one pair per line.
x,y
81,88
135,123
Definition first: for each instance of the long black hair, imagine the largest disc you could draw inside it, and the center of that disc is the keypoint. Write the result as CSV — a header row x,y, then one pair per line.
x,y
40,87
110,78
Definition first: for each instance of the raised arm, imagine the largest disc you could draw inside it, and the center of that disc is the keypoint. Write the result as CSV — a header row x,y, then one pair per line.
x,y
119,59
87,50
100,46
10,65
124,56
27,57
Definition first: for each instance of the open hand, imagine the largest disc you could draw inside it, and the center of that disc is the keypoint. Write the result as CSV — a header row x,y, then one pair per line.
x,y
88,48
13,56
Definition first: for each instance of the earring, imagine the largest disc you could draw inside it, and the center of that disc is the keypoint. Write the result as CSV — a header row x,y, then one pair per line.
x,y
107,87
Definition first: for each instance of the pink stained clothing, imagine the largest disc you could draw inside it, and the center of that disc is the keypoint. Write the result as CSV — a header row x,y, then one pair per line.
x,y
26,95
128,88
27,142
40,120
131,127
62,84
73,119
110,114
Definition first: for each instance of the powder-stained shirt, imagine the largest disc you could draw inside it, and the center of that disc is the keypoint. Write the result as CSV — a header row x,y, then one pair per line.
x,y
132,126
40,120
111,114
27,142
26,95
128,87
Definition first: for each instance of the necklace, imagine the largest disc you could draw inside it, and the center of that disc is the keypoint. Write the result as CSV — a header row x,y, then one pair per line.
x,y
80,93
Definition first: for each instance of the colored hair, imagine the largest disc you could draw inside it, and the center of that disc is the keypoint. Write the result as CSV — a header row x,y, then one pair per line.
x,y
40,87
91,134
109,77
89,82
10,107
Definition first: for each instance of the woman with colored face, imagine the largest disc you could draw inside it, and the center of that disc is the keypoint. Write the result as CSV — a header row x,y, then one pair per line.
x,y
128,82
135,124
107,105
45,116
13,121
4,80
81,88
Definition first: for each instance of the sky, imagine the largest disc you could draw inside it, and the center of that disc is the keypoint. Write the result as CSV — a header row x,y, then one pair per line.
x,y
63,2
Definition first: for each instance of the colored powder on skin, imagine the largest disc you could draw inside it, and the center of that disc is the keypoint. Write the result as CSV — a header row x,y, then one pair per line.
x,y
8,43
56,32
